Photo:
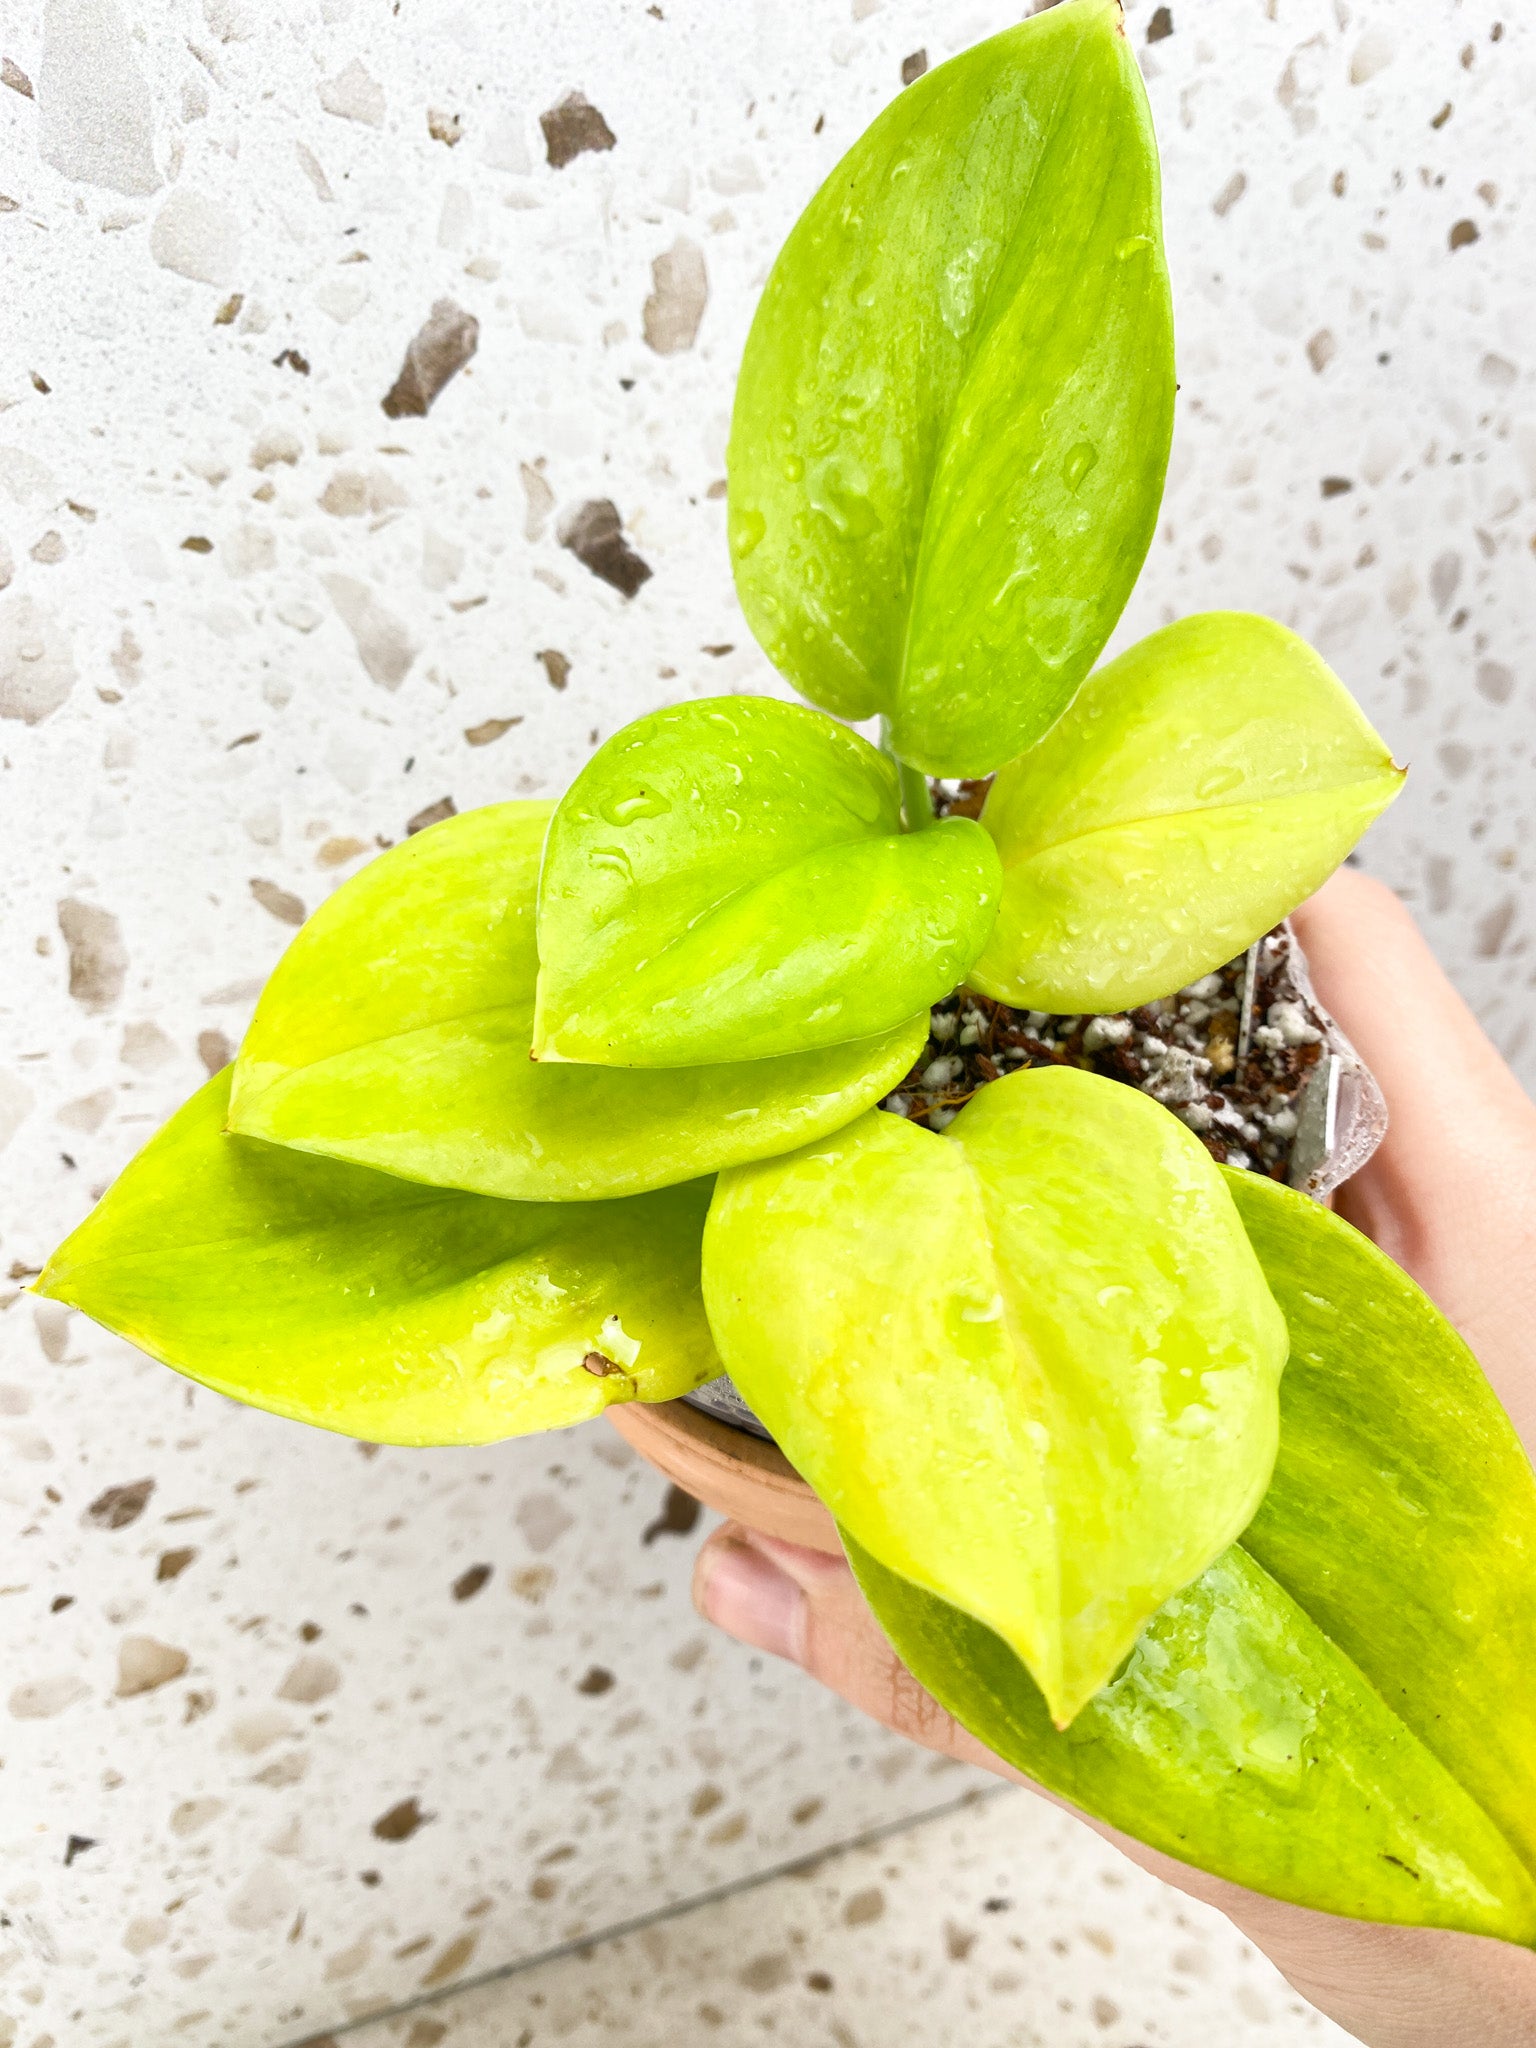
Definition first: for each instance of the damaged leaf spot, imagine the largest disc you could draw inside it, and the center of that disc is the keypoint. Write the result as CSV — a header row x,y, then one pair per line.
x,y
119,1505
601,1368
679,1516
433,814
573,127
439,350
281,903
594,534
401,1822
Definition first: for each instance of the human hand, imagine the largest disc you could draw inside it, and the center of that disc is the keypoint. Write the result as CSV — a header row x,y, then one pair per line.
x,y
1451,1195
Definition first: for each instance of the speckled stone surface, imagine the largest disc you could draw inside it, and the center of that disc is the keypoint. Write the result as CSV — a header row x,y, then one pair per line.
x,y
1007,1925
252,623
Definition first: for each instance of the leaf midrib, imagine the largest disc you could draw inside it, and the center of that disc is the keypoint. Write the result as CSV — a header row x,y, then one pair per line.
x,y
428,1198
974,350
1020,1345
1182,813
722,904
387,1038
1524,1857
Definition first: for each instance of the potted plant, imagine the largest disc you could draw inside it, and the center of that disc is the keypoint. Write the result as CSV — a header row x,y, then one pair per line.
x,y
1167,1483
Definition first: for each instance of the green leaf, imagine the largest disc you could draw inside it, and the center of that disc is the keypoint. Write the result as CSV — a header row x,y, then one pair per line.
x,y
395,1033
1030,1364
1199,787
1403,1513
365,1304
954,410
728,880
1339,1712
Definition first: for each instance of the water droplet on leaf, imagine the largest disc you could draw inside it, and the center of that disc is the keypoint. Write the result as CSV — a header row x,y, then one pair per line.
x,y
1078,463
747,530
643,803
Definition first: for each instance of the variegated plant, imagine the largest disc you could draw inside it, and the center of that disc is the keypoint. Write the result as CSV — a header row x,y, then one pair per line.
x,y
1169,1485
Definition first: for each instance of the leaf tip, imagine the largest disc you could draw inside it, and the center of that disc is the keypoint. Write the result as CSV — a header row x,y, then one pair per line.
x,y
48,1284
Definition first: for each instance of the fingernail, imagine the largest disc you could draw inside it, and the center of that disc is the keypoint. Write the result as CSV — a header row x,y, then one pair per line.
x,y
746,1594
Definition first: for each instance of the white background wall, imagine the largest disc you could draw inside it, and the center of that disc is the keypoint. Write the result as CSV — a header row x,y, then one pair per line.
x,y
213,725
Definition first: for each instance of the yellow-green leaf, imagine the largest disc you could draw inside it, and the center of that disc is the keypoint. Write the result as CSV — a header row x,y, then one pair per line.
x,y
1339,1711
366,1304
1198,788
729,880
1030,1363
953,415
395,1032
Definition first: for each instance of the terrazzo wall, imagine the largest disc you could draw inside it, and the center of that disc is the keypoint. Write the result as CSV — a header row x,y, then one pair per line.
x,y
364,378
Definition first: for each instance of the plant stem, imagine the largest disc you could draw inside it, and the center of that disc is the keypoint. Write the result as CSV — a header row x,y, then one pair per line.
x,y
916,800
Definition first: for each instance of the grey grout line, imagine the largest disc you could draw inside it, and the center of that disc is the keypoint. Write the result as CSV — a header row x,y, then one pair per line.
x,y
976,1796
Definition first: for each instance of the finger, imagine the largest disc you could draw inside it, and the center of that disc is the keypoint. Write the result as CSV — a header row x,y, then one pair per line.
x,y
1451,1194
807,1607
1394,1987
1439,1071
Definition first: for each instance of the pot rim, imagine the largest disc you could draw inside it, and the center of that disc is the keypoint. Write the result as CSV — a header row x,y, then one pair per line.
x,y
745,1478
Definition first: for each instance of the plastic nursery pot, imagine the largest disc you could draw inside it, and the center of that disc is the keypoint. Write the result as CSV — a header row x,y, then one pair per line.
x,y
712,1446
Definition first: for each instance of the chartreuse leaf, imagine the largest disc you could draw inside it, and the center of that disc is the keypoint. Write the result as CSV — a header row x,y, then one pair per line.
x,y
954,409
1339,1712
1403,1512
1199,787
728,880
395,1033
366,1304
1029,1364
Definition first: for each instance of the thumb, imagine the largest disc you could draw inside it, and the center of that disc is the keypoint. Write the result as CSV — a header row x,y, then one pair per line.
x,y
807,1608
1395,1987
